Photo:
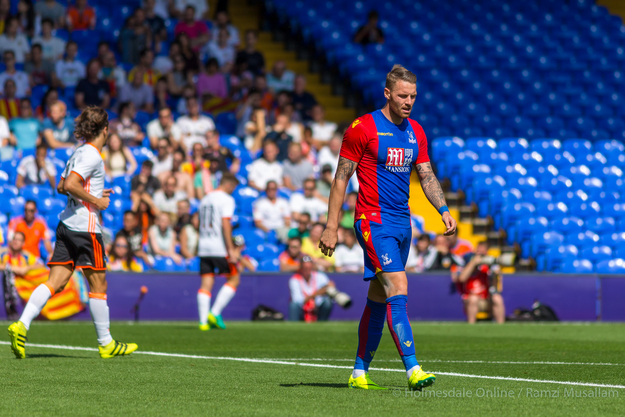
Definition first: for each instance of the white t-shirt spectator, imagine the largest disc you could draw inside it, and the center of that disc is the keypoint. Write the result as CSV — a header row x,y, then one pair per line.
x,y
70,72
162,64
155,130
313,206
261,172
222,55
349,260
168,205
22,84
323,131
19,45
52,49
272,214
28,169
300,289
162,166
195,130
326,157
285,82
139,96
119,75
233,39
5,133
201,7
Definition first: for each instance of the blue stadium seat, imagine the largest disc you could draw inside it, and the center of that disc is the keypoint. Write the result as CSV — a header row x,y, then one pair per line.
x,y
613,266
556,257
193,264
576,266
269,265
165,264
596,254
540,242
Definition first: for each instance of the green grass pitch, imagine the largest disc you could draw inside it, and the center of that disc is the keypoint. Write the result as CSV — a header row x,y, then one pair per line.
x,y
306,367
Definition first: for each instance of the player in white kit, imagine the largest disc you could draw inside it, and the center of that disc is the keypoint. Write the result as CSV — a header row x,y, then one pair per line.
x,y
216,252
79,237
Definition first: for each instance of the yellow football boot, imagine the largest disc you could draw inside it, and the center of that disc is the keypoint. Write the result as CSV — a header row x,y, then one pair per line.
x,y
363,382
420,380
17,333
116,349
204,327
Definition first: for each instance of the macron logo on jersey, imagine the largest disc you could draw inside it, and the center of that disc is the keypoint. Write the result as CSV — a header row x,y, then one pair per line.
x,y
398,160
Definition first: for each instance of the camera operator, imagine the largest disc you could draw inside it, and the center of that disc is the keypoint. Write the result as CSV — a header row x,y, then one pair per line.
x,y
478,282
309,299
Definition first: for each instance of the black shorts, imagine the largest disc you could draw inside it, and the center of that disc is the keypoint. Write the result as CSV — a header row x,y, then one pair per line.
x,y
80,249
216,266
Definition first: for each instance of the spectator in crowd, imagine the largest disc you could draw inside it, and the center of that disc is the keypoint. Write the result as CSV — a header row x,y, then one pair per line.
x,y
197,161
112,73
308,146
165,63
329,153
178,8
295,127
92,91
302,229
162,239
51,11
190,237
250,59
38,70
167,199
7,140
222,50
20,78
272,212
122,257
132,232
162,98
36,169
419,254
249,107
291,257
324,184
196,30
9,104
25,128
81,16
222,21
282,99
205,174
347,217
440,258
370,32
221,155
118,159
322,130
212,83
280,78
191,57
134,37
266,168
178,77
21,261
478,281
58,129
52,47
164,128
310,247
246,262
125,126
308,202
266,95
12,40
138,93
184,181
458,246
33,227
255,131
308,288
296,168
29,23
144,182
149,75
5,14
155,22
103,48
146,216
349,256
49,98
164,159
183,213
69,70
194,125
280,137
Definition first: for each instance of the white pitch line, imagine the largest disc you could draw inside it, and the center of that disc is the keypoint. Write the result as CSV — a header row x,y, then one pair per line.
x,y
319,365
470,362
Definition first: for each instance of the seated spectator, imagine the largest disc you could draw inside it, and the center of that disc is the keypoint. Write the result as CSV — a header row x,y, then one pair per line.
x,y
458,246
144,182
294,128
28,22
163,160
212,83
222,21
440,258
10,107
190,237
296,168
162,239
36,169
103,49
51,11
92,91
280,78
118,159
155,22
308,146
184,181
149,75
131,232
52,47
12,40
272,212
38,70
128,130
58,129
178,77
194,125
222,50
310,247
134,37
302,100
139,93
324,184
196,30
190,55
188,92
167,199
207,177
266,94
112,73
165,63
21,261
25,128
164,128
81,16
178,8
280,137
146,216
162,98
69,71
246,262
249,58
183,213
349,256
322,130
7,141
266,168
20,78
347,217
122,257
302,229
308,288
49,98
290,259
5,13
282,99
329,153
248,111
34,229
370,32
308,202
478,281
418,255
221,155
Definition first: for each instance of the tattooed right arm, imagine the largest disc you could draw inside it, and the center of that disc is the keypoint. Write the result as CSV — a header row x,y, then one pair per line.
x,y
344,172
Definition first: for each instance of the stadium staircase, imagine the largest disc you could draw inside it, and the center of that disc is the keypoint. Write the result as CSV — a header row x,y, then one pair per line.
x,y
615,7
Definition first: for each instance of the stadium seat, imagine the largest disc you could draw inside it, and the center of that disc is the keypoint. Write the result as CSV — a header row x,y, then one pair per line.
x,y
269,265
576,266
596,254
193,264
556,257
612,266
165,264
541,241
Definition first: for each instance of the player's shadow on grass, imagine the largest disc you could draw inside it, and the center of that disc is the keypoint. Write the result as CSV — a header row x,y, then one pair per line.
x,y
314,384
52,355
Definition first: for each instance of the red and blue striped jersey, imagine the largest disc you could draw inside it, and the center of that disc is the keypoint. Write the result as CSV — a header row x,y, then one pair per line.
x,y
385,153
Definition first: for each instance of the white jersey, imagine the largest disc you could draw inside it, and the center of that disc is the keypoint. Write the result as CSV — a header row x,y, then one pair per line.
x,y
214,207
81,216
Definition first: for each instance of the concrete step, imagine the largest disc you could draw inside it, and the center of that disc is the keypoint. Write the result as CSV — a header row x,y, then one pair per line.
x,y
340,114
329,100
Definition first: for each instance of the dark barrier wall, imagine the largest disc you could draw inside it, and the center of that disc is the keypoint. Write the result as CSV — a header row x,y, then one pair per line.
x,y
173,296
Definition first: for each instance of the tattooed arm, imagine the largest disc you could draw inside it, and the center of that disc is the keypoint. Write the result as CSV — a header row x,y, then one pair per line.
x,y
344,172
434,193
